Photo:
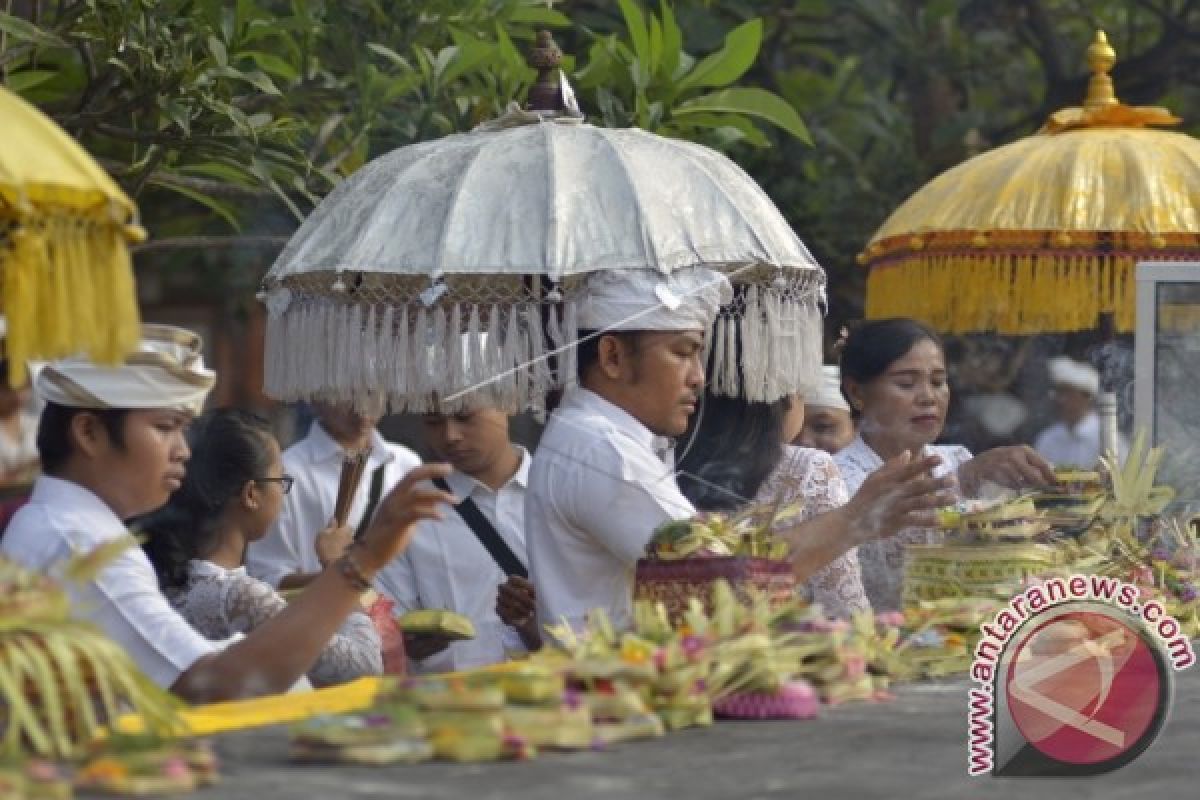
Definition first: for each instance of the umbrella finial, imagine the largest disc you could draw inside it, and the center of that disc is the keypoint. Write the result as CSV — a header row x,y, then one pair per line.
x,y
546,92
1100,58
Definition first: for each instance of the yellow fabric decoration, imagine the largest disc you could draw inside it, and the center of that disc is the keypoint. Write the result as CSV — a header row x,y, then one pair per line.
x,y
1042,235
65,226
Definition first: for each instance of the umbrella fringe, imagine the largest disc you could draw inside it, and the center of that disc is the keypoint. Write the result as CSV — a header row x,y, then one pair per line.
x,y
417,359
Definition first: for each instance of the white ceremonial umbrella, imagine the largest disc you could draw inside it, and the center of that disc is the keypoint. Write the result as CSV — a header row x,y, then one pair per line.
x,y
491,233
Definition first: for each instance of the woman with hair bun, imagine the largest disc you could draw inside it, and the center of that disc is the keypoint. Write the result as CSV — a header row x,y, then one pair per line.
x,y
232,492
894,375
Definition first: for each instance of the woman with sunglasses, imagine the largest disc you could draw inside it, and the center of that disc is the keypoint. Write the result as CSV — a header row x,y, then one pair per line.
x,y
231,494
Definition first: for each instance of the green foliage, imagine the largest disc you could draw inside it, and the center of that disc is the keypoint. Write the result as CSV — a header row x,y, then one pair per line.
x,y
643,76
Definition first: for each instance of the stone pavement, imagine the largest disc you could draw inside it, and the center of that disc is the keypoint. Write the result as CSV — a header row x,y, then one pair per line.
x,y
913,746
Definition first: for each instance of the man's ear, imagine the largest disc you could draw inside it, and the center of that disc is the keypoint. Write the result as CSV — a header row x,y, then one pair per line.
x,y
854,393
612,356
87,435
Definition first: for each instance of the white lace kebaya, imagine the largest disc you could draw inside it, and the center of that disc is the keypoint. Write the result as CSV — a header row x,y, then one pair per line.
x,y
882,560
220,603
811,477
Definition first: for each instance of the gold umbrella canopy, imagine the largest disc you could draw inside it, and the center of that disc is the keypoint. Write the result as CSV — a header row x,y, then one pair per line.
x,y
65,227
1042,235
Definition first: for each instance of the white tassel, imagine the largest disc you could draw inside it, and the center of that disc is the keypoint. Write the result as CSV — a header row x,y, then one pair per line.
x,y
717,345
475,347
732,374
402,366
570,356
454,353
492,352
418,355
371,348
516,383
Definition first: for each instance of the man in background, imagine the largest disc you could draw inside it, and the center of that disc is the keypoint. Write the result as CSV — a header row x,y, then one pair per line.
x,y
304,539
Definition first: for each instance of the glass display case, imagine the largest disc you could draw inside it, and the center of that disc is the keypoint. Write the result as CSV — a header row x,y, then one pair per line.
x,y
1167,370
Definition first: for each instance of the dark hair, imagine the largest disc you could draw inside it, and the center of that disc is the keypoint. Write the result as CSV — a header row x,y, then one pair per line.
x,y
874,346
732,446
229,448
54,432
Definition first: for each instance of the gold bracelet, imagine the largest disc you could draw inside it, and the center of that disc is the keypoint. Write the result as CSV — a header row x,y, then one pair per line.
x,y
352,571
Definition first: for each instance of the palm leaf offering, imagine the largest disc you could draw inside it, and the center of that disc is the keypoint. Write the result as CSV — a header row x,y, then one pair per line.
x,y
60,679
1133,491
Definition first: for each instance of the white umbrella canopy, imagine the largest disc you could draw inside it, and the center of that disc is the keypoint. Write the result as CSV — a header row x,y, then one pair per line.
x,y
457,263
556,197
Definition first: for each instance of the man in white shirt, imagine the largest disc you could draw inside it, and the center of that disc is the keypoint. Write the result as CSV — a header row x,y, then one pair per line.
x,y
1075,439
448,566
112,448
599,485
303,540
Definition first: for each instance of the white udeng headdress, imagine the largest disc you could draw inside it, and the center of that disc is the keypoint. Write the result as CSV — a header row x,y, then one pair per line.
x,y
645,300
166,371
1068,372
829,393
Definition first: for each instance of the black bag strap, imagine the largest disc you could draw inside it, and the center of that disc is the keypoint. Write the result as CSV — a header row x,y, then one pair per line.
x,y
373,496
486,533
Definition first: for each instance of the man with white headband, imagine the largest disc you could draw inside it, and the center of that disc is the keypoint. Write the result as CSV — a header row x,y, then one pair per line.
x,y
1073,441
828,424
599,485
112,444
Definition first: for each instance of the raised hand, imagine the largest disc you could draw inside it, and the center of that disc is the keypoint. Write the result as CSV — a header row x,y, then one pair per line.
x,y
1016,467
332,542
515,602
410,501
901,494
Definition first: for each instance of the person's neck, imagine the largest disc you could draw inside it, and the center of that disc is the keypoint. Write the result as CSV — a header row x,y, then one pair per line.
x,y
1074,422
230,549
80,475
351,443
502,469
616,394
888,447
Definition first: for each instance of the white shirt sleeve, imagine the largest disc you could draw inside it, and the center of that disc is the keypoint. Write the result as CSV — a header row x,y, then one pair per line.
x,y
125,602
616,508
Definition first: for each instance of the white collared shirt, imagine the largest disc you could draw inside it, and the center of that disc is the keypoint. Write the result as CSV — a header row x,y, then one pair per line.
x,y
882,560
1064,446
597,491
63,518
315,462
446,566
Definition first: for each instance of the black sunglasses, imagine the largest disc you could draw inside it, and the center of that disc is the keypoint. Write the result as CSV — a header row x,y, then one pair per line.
x,y
285,482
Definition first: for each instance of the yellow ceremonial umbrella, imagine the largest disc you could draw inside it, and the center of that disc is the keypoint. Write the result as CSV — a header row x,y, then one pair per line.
x,y
1042,235
65,227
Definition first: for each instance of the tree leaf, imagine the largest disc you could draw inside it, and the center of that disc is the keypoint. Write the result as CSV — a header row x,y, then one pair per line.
x,y
272,64
217,48
29,78
389,54
25,31
540,15
758,103
223,210
672,41
635,23
730,62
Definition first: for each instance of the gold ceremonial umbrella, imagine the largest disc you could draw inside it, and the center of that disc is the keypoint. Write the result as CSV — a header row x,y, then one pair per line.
x,y
1042,235
65,227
